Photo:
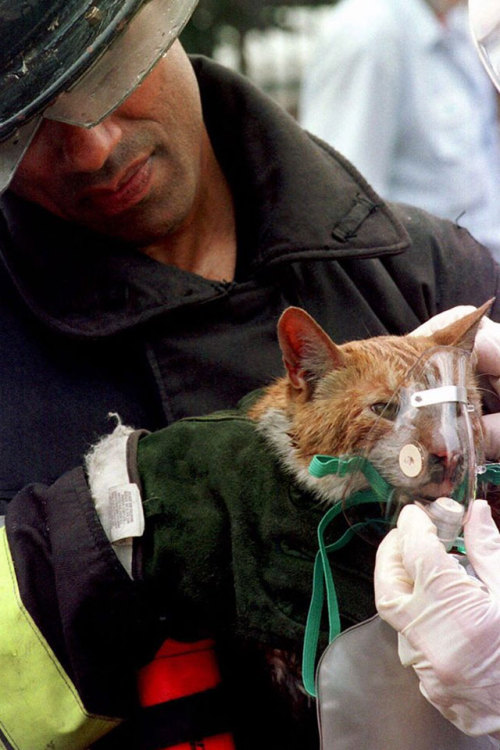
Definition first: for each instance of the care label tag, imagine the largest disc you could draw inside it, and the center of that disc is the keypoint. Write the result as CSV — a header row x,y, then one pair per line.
x,y
126,515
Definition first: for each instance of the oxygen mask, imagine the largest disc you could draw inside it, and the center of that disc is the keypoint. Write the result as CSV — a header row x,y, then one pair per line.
x,y
424,447
484,19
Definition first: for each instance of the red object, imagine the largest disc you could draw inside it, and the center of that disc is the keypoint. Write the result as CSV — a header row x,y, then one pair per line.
x,y
218,742
180,670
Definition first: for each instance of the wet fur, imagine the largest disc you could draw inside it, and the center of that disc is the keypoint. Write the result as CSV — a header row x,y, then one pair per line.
x,y
324,404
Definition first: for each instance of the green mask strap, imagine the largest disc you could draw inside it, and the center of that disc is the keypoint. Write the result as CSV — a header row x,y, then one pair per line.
x,y
381,492
321,465
490,474
322,577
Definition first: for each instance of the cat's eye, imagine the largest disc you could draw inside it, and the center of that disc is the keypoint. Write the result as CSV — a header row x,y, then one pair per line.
x,y
387,410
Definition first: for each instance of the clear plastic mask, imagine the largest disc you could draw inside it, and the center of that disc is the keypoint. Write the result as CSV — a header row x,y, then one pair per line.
x,y
423,448
484,18
110,80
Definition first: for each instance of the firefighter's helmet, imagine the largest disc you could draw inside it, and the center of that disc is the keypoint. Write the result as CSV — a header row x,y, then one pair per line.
x,y
75,61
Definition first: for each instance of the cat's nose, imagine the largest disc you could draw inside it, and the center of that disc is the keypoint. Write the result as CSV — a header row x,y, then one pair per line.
x,y
445,466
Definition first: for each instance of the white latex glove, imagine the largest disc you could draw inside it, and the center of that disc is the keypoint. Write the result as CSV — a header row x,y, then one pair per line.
x,y
487,353
449,622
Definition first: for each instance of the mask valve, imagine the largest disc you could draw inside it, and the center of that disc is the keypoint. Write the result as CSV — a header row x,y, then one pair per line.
x,y
447,515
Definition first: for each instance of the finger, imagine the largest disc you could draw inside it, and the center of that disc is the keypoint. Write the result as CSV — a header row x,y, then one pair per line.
x,y
390,577
494,382
487,347
393,586
423,555
441,320
414,520
491,435
407,653
482,542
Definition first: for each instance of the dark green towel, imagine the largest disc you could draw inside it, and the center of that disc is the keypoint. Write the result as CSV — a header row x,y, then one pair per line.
x,y
230,538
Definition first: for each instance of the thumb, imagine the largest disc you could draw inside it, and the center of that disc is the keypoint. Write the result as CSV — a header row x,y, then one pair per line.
x,y
423,555
482,542
393,586
487,347
491,435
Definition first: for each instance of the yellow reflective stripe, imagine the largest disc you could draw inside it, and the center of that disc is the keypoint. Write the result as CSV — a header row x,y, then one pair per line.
x,y
39,705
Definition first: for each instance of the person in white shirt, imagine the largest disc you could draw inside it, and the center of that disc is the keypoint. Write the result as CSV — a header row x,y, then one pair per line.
x,y
396,86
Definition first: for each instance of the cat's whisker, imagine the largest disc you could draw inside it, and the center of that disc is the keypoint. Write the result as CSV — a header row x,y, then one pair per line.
x,y
488,391
336,400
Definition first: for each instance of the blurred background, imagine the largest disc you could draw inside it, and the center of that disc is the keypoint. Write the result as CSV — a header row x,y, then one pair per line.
x,y
395,85
269,42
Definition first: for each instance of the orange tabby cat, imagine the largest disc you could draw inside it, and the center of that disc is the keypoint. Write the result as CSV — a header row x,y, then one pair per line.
x,y
338,401
333,400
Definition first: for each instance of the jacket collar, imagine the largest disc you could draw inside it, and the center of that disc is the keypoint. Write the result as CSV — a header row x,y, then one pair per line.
x,y
87,285
269,162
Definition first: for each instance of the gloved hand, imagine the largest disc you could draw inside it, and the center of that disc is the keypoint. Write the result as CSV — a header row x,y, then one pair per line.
x,y
448,621
487,353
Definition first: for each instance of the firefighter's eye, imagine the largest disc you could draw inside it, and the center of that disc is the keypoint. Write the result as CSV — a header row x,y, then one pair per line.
x,y
386,409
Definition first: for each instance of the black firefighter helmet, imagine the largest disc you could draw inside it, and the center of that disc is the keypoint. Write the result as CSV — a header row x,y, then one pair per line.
x,y
75,61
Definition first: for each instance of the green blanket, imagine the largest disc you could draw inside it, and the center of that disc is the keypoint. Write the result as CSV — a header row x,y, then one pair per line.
x,y
230,538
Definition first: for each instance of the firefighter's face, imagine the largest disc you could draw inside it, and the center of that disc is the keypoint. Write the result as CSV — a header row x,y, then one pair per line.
x,y
134,176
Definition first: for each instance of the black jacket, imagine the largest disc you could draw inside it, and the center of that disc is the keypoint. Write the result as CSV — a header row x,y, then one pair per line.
x,y
81,315
90,326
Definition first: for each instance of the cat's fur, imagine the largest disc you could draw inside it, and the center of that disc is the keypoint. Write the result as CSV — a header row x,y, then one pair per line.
x,y
326,402
329,403
331,399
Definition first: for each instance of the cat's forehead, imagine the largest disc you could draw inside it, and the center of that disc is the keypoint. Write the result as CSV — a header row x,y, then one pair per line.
x,y
391,362
404,349
374,366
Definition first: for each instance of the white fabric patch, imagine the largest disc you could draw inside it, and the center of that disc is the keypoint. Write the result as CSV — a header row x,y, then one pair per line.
x,y
117,501
125,513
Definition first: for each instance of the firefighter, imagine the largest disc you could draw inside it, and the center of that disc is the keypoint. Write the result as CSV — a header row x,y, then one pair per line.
x,y
158,214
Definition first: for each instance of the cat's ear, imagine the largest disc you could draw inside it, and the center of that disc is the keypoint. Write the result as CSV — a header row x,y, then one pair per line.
x,y
462,332
308,352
